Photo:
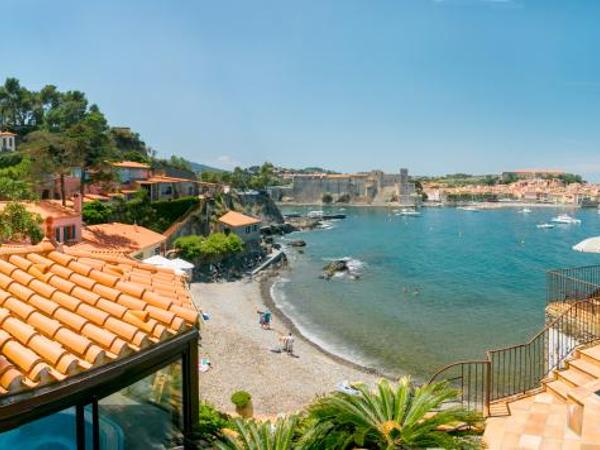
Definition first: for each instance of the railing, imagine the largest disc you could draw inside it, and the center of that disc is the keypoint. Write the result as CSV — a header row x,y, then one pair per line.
x,y
520,368
573,284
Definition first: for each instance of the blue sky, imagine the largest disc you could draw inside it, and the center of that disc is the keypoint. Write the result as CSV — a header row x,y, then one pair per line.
x,y
437,86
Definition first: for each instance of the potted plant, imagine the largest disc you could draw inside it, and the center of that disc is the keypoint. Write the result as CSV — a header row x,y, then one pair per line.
x,y
243,403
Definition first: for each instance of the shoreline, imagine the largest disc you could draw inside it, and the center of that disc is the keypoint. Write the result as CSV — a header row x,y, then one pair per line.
x,y
482,205
265,285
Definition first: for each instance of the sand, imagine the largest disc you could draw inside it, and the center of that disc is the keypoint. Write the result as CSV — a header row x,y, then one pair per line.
x,y
241,356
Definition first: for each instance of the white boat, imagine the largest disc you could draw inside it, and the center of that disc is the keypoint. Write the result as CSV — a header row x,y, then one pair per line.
x,y
314,214
469,208
408,212
525,211
566,219
545,225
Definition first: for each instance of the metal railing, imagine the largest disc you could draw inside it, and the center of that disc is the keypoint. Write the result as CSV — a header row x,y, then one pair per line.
x,y
520,368
572,284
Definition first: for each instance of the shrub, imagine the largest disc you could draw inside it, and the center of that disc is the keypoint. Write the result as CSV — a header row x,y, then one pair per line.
x,y
241,399
169,211
211,422
97,212
327,198
212,248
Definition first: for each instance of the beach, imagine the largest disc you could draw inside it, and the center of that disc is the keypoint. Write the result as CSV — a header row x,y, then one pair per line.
x,y
241,357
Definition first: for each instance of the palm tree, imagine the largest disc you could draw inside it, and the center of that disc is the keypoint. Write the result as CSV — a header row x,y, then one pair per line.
x,y
393,417
252,435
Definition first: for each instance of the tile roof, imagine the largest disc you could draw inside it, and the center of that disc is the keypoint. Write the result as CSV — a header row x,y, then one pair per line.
x,y
64,312
236,219
161,179
46,208
117,237
130,165
7,133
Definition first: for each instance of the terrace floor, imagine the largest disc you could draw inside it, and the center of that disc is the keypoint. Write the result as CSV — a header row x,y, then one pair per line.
x,y
565,415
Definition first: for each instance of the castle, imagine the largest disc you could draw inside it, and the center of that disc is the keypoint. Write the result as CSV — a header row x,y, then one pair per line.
x,y
374,187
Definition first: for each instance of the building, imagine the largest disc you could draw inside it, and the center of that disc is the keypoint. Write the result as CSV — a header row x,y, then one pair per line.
x,y
374,187
131,240
95,352
130,171
246,227
7,141
63,224
168,188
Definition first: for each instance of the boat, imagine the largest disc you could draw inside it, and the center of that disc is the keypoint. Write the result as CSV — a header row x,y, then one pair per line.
x,y
566,220
314,214
545,225
469,208
408,212
525,211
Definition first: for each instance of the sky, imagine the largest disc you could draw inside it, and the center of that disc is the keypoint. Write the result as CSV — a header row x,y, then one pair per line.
x,y
437,86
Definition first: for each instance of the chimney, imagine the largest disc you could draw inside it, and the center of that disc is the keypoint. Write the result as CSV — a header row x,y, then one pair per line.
x,y
49,232
77,203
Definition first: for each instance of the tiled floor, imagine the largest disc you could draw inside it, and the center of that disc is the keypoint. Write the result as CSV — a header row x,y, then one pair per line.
x,y
539,422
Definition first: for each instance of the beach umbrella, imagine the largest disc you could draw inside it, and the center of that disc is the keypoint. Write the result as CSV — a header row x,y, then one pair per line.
x,y
589,245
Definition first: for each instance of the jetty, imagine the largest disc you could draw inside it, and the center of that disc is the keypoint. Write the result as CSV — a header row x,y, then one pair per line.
x,y
273,258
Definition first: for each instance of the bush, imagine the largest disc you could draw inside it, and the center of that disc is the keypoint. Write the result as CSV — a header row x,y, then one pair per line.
x,y
169,211
211,422
212,248
241,399
97,212
327,198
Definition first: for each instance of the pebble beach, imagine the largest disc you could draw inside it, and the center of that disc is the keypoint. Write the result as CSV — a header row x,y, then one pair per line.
x,y
241,355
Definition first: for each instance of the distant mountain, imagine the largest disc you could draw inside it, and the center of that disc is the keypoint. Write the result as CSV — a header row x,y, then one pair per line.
x,y
199,168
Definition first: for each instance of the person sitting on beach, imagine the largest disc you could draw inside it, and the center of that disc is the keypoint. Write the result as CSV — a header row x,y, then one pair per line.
x,y
267,319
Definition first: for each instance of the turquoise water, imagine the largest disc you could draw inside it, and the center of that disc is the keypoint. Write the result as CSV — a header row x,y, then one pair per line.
x,y
434,289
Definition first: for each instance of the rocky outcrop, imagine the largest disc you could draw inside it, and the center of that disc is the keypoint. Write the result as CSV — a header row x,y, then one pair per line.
x,y
334,267
298,243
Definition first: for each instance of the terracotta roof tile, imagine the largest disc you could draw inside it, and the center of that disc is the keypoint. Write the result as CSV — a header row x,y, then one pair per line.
x,y
236,219
61,313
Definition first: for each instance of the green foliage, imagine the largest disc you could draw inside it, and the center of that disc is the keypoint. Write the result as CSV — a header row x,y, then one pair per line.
x,y
15,182
97,212
211,422
569,178
129,144
392,416
327,199
215,247
252,435
18,224
255,177
157,216
10,159
468,197
241,399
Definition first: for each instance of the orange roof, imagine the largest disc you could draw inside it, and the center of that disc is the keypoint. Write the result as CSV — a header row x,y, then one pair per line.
x,y
160,179
46,208
236,219
7,133
131,165
117,237
65,313
553,171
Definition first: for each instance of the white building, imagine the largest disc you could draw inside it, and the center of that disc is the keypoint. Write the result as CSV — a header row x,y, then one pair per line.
x,y
7,141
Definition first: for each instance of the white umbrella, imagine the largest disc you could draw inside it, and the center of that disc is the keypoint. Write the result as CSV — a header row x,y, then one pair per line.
x,y
589,245
180,266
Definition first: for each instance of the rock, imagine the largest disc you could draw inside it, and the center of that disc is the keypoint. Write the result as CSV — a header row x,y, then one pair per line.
x,y
334,267
298,243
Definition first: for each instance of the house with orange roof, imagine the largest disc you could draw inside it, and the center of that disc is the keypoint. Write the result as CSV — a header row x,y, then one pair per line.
x,y
61,223
96,351
7,141
161,187
129,171
120,238
246,227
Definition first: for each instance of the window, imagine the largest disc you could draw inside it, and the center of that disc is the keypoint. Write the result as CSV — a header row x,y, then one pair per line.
x,y
247,230
147,414
56,431
57,234
69,233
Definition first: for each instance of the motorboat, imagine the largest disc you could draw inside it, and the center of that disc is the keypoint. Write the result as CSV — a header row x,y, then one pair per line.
x,y
525,211
314,214
408,212
545,225
566,220
469,208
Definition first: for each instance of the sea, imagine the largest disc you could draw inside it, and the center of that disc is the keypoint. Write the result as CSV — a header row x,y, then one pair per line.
x,y
426,291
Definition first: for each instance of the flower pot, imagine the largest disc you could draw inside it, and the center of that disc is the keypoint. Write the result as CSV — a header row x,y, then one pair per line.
x,y
246,411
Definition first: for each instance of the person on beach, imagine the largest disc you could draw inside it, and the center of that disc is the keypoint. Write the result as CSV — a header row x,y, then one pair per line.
x,y
289,344
264,319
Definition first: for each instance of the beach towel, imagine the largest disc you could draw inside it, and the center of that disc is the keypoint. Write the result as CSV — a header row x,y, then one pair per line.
x,y
204,365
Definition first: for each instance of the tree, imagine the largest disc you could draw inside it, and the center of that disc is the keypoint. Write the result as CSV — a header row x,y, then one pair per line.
x,y
16,107
252,435
54,154
393,417
327,199
18,224
215,247
97,212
